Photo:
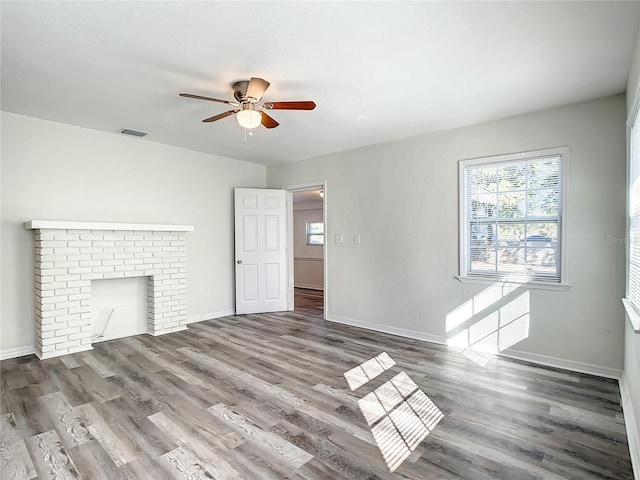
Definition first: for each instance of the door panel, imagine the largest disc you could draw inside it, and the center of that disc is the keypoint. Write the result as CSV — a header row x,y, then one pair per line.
x,y
261,250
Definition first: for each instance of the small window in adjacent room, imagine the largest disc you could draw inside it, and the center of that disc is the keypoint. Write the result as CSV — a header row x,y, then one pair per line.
x,y
315,233
511,217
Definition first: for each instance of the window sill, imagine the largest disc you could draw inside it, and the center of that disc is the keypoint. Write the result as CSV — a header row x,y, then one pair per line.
x,y
632,314
528,283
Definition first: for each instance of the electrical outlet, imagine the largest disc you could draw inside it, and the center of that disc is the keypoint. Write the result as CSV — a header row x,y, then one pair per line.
x,y
339,238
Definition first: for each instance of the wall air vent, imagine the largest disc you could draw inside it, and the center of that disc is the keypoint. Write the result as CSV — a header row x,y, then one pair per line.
x,y
133,133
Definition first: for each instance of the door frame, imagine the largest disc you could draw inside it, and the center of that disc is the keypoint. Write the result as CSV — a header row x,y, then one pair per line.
x,y
299,187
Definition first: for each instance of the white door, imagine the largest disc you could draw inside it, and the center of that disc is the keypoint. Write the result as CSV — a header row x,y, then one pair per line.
x,y
261,250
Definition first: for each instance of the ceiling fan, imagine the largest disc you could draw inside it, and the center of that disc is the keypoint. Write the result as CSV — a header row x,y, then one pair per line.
x,y
249,113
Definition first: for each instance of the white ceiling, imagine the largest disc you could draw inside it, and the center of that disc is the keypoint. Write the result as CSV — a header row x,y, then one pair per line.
x,y
378,71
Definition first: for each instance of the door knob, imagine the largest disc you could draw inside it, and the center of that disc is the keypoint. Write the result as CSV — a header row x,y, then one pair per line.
x,y
239,262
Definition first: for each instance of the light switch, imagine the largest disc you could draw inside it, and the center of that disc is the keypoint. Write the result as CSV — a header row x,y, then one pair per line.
x,y
356,239
339,238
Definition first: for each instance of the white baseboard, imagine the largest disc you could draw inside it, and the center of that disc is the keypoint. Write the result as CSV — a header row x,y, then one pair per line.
x,y
210,316
17,352
633,434
401,332
564,364
526,356
308,287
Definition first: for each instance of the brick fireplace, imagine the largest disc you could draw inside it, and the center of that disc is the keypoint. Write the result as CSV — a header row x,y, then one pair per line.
x,y
69,255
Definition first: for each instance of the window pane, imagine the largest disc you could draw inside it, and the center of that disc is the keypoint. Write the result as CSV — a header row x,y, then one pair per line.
x,y
315,239
513,209
315,227
483,260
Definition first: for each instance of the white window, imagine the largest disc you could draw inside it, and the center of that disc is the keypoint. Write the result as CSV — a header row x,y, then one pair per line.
x,y
633,281
315,233
512,217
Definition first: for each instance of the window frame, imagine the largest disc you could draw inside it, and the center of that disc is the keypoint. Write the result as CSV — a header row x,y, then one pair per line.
x,y
633,150
465,275
309,234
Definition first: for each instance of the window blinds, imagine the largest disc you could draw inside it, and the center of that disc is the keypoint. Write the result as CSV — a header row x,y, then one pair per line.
x,y
513,214
634,215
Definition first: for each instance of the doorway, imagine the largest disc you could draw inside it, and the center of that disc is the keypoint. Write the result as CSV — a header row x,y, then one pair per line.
x,y
308,256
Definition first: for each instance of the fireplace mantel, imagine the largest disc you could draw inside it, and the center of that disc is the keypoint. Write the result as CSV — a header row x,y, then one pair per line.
x,y
65,225
70,255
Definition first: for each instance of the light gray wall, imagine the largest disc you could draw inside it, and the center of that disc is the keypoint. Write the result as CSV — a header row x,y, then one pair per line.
x,y
52,171
402,198
308,264
631,370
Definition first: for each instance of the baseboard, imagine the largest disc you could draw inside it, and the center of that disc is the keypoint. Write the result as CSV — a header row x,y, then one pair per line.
x,y
401,332
519,355
17,352
633,434
564,364
308,287
210,316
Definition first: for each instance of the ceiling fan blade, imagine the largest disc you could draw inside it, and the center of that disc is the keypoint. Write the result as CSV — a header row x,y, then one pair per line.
x,y
198,97
221,116
257,87
267,121
290,105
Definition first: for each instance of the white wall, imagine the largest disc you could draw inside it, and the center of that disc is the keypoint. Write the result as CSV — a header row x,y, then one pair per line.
x,y
402,198
308,261
630,381
52,171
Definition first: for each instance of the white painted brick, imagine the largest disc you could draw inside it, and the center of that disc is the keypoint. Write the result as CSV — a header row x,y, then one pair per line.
x,y
89,263
47,335
48,301
47,293
66,236
67,278
52,271
133,261
169,271
79,270
66,251
133,249
112,262
82,256
67,304
52,286
93,276
78,310
161,243
102,269
134,237
68,291
86,329
86,289
85,316
67,344
143,243
67,331
44,251
178,243
65,264
73,243
152,271
113,250
113,275
80,296
52,258
90,236
124,243
123,255
90,250
102,243
144,254
101,256
77,336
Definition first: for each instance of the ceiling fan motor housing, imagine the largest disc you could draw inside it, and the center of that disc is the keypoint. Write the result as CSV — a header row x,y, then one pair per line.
x,y
240,92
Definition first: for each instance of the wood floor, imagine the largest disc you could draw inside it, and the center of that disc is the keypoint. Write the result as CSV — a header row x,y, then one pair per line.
x,y
266,397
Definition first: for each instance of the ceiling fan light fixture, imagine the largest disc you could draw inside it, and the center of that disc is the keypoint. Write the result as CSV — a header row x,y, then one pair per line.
x,y
249,118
